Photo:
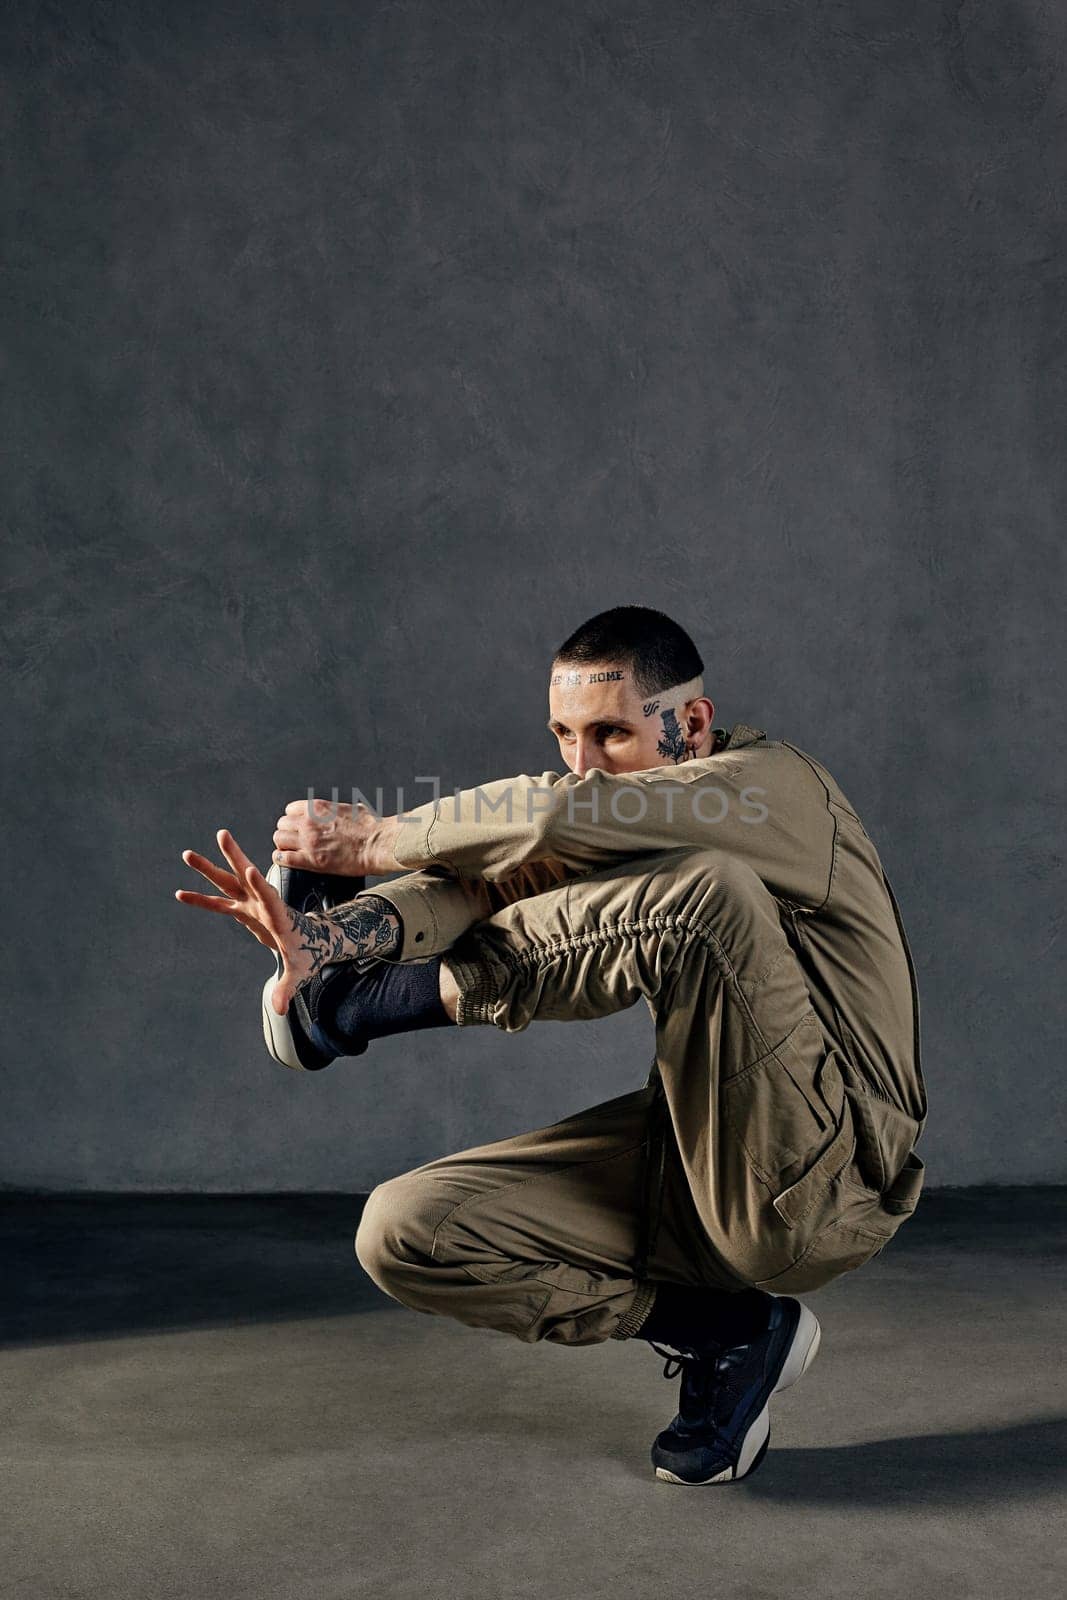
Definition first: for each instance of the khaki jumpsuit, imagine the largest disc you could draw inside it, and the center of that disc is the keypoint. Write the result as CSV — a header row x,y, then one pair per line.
x,y
772,1143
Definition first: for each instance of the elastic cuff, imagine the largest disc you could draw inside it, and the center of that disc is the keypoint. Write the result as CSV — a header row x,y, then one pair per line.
x,y
479,982
639,1310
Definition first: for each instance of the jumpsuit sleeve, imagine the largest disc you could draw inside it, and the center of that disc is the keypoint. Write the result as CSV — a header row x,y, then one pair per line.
x,y
436,904
766,804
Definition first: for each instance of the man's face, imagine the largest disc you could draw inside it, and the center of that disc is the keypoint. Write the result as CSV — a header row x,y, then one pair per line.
x,y
600,719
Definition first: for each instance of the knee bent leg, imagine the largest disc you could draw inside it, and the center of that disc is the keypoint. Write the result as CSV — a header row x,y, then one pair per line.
x,y
712,886
397,1228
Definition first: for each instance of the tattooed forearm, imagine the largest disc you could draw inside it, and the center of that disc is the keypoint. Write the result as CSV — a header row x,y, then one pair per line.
x,y
673,742
367,926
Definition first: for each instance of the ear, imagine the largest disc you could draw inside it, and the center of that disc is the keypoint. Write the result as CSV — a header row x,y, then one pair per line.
x,y
699,715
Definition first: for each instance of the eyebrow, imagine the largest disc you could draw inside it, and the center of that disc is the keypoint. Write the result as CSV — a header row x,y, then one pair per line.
x,y
603,722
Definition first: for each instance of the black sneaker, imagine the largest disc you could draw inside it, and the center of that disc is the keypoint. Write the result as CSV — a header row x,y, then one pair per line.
x,y
722,1428
312,892
295,1040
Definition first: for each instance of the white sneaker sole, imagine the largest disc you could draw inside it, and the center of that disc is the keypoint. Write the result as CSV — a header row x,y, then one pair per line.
x,y
802,1352
276,1035
276,1032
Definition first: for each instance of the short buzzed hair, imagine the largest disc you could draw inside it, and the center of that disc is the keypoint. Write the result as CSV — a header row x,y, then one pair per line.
x,y
655,648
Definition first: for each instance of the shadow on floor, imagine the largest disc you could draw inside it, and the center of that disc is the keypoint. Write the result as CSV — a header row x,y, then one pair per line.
x,y
90,1266
936,1470
1022,1219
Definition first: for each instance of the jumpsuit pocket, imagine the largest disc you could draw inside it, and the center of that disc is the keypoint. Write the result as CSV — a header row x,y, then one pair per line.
x,y
857,1223
786,1110
855,1236
885,1139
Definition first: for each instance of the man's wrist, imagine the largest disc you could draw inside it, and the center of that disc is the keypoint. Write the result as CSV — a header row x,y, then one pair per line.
x,y
365,926
382,842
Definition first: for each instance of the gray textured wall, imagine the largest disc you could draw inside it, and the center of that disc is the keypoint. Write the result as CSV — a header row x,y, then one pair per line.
x,y
353,354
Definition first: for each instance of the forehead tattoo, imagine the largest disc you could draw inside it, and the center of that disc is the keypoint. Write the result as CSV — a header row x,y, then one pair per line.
x,y
573,679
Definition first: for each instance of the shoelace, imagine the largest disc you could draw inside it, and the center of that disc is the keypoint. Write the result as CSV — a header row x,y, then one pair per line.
x,y
681,1360
710,1374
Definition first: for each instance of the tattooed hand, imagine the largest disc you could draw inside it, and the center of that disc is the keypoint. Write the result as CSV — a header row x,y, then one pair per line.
x,y
365,926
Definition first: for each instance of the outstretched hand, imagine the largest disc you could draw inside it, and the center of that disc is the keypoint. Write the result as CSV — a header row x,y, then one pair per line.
x,y
248,898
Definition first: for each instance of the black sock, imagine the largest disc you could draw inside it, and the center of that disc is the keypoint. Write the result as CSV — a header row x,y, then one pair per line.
x,y
388,997
693,1317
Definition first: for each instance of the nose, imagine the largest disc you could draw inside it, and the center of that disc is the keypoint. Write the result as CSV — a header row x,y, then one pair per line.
x,y
585,754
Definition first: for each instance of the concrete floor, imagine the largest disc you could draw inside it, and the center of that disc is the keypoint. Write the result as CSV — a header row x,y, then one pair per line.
x,y
207,1396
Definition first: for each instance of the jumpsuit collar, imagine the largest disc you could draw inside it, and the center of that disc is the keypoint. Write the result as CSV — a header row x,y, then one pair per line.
x,y
740,734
